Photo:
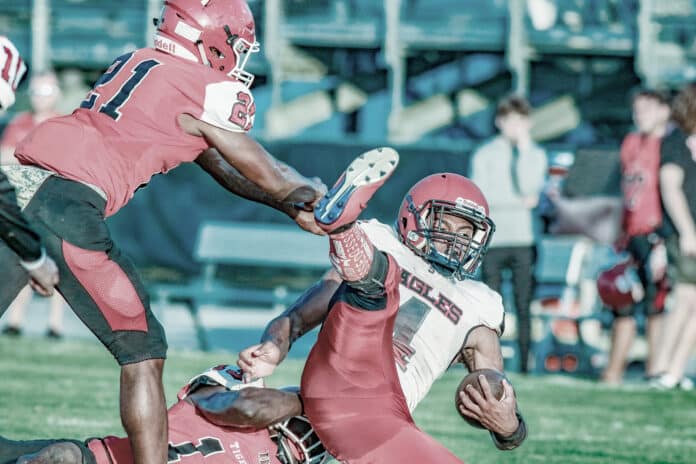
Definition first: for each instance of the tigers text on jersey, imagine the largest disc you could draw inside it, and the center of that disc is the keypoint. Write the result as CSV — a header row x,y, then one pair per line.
x,y
435,315
194,440
126,130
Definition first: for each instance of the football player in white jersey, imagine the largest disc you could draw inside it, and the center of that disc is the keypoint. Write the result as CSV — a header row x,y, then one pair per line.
x,y
441,315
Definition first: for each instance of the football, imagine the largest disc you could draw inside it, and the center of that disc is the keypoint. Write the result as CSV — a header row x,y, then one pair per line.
x,y
495,380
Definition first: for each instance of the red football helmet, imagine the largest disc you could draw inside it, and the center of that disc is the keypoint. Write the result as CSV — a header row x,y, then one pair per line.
x,y
619,286
217,33
12,69
421,228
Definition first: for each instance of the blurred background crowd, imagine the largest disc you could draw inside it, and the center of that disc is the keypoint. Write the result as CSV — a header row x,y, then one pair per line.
x,y
575,117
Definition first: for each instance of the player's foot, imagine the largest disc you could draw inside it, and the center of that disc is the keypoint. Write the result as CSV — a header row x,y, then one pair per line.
x,y
344,202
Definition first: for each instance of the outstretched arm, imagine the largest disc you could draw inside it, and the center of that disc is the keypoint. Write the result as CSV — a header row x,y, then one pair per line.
x,y
250,407
231,179
501,417
252,161
303,315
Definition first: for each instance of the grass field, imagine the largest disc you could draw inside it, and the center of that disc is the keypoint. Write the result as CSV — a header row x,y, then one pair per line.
x,y
70,389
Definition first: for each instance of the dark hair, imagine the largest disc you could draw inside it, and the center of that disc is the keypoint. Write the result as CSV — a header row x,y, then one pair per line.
x,y
513,104
659,95
684,109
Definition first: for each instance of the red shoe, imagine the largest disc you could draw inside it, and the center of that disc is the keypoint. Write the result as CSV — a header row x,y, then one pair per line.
x,y
349,196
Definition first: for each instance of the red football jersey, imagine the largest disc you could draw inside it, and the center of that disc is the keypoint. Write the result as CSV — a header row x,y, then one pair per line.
x,y
126,130
640,166
194,440
17,129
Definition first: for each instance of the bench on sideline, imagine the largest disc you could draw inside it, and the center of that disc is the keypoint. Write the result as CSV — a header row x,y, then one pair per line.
x,y
256,245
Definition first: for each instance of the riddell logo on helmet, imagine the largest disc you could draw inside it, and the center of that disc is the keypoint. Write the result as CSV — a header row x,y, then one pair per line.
x,y
465,202
165,45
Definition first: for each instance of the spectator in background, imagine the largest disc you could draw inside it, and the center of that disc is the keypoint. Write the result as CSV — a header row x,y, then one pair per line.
x,y
510,170
642,217
73,90
678,188
45,94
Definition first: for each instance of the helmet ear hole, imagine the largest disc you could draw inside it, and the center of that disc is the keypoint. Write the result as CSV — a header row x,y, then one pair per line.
x,y
404,222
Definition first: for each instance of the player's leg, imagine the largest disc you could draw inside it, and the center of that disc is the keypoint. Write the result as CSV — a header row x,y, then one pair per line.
x,y
622,335
107,295
17,310
351,252
104,290
409,445
523,260
55,317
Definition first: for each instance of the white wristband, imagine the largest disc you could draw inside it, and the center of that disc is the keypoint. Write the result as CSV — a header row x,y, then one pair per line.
x,y
34,265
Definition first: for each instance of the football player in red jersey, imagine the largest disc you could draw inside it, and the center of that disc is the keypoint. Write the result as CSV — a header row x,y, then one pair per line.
x,y
187,99
15,231
217,419
399,308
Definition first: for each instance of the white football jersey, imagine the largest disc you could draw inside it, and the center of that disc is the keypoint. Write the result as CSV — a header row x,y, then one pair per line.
x,y
436,313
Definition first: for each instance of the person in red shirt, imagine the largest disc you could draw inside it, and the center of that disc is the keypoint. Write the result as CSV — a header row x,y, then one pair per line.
x,y
217,419
642,218
185,100
45,93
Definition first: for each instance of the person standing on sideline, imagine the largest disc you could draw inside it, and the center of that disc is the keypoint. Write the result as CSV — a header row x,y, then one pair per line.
x,y
642,219
678,188
510,170
45,94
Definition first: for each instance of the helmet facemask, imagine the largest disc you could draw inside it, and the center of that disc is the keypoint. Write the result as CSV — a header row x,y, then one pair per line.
x,y
243,50
298,443
456,254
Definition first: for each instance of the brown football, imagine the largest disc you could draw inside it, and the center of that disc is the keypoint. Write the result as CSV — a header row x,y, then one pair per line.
x,y
495,380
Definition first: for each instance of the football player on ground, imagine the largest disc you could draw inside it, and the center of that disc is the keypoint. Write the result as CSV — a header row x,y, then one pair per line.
x,y
399,308
15,231
217,419
187,99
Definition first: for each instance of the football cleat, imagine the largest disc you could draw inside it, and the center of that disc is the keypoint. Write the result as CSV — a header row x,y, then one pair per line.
x,y
344,202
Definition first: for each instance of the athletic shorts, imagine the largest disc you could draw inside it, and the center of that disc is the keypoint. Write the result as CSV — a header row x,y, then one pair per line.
x,y
350,387
100,284
682,269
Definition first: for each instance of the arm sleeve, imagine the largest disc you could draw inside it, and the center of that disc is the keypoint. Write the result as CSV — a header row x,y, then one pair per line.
x,y
229,105
14,228
514,440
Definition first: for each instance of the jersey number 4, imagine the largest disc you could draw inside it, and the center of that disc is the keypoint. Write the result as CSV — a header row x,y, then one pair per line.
x,y
206,447
408,320
138,72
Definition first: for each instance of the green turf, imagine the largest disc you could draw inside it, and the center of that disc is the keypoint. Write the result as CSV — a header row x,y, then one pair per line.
x,y
70,389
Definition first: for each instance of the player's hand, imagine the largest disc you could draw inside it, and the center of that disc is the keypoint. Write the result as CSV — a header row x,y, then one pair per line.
x,y
687,244
44,279
495,415
259,360
304,211
305,219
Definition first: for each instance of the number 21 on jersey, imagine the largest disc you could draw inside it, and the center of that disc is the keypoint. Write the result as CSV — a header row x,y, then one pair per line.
x,y
120,97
